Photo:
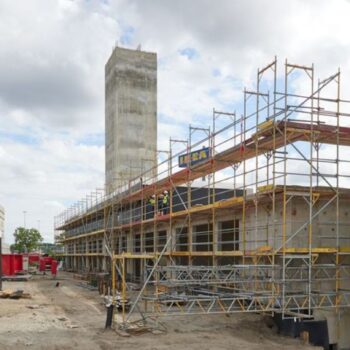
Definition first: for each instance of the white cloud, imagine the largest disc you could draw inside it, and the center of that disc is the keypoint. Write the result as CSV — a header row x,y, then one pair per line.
x,y
52,56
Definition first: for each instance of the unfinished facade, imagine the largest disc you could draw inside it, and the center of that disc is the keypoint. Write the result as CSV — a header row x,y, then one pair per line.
x,y
276,241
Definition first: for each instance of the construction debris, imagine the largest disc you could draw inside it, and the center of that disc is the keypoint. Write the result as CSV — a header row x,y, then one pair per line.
x,y
34,306
72,326
62,319
69,314
122,333
18,294
118,301
17,278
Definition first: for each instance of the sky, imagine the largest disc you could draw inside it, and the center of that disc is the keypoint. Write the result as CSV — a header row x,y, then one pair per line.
x,y
52,57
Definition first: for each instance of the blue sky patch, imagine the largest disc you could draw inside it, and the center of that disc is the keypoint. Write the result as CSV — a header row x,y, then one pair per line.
x,y
97,139
27,139
189,52
127,36
214,92
216,72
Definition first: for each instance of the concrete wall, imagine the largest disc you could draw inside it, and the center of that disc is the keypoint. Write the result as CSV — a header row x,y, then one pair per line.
x,y
268,230
130,115
338,326
324,226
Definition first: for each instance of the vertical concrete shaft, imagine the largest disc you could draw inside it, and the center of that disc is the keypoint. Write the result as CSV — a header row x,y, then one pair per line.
x,y
130,115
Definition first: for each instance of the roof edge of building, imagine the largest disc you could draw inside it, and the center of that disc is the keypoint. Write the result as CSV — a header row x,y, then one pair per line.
x,y
128,49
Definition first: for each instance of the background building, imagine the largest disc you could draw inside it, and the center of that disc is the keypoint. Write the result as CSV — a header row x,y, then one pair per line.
x,y
130,115
2,221
4,247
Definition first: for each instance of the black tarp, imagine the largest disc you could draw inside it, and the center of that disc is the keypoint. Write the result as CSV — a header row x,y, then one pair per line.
x,y
293,327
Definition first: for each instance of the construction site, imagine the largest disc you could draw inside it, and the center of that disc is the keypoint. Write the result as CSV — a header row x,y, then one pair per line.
x,y
248,214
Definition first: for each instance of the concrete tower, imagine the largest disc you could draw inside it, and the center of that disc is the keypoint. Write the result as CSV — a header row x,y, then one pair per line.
x,y
130,115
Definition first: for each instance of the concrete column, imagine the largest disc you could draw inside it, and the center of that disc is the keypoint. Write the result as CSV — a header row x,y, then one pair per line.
x,y
105,255
130,249
75,257
66,258
172,246
215,241
155,241
87,258
98,263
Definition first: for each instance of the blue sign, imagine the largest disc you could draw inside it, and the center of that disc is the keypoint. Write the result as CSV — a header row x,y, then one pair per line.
x,y
194,157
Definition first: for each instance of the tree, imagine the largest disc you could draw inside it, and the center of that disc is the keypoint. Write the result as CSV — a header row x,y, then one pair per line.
x,y
47,248
26,240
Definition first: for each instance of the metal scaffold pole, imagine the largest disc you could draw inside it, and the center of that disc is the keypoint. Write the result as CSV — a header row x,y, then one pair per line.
x,y
262,232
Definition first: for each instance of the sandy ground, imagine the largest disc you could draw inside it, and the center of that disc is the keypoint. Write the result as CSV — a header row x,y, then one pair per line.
x,y
73,317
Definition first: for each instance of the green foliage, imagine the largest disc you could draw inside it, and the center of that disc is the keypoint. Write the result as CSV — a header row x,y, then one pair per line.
x,y
47,248
26,240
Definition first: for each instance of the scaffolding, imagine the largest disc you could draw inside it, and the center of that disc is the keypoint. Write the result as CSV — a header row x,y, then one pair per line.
x,y
256,220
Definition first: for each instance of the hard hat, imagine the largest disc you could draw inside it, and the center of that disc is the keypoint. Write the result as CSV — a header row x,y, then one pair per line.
x,y
166,192
153,196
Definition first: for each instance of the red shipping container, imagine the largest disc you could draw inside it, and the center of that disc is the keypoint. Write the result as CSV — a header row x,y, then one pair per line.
x,y
54,264
42,265
11,263
34,258
17,263
6,265
48,260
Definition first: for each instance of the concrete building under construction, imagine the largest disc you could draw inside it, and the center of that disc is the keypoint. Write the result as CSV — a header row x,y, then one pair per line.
x,y
130,116
275,241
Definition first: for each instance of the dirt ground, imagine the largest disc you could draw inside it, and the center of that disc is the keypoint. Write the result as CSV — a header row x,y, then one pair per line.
x,y
73,317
